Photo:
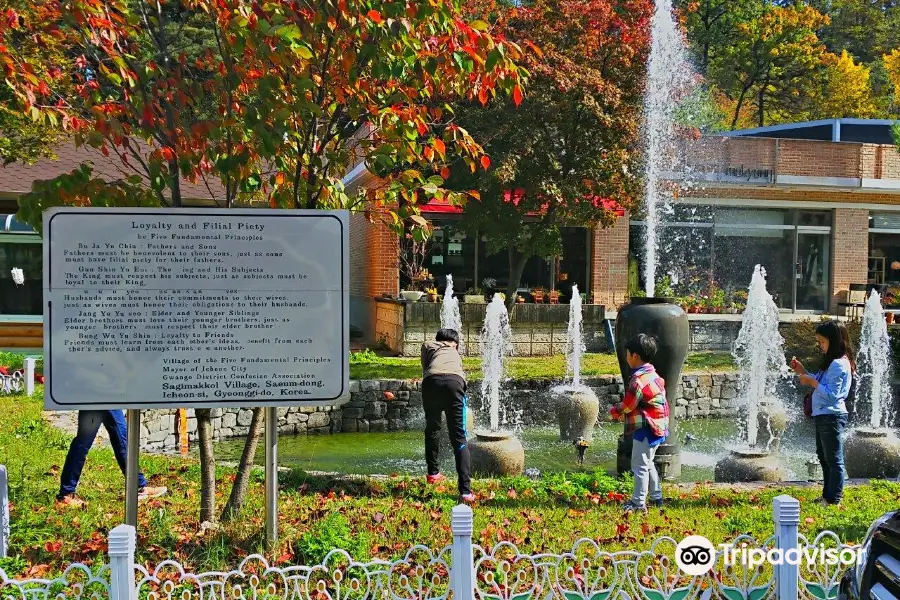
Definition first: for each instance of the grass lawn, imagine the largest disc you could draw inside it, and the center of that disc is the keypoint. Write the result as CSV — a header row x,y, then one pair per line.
x,y
369,518
368,365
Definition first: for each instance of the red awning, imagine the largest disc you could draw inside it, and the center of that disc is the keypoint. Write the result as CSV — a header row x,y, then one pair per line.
x,y
516,196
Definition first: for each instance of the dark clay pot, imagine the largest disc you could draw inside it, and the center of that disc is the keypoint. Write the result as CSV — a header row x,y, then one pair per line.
x,y
665,320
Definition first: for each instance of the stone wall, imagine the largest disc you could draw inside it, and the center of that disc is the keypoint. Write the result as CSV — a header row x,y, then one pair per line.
x,y
393,405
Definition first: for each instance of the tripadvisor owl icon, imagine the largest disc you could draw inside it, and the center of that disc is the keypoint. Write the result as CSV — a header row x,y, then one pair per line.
x,y
695,555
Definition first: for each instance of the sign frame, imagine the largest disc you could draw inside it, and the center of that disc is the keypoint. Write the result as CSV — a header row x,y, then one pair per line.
x,y
341,217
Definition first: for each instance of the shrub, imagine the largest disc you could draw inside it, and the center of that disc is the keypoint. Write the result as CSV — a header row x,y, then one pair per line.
x,y
332,532
800,340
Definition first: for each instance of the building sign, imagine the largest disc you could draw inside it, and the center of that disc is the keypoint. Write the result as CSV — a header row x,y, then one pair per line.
x,y
732,174
166,308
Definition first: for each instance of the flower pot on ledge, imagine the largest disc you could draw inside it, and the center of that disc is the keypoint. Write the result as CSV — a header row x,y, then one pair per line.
x,y
411,296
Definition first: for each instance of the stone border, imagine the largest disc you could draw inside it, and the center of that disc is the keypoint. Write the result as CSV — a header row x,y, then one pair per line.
x,y
396,405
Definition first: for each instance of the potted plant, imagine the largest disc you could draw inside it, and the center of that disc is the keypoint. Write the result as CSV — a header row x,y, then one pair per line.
x,y
412,264
538,294
520,299
432,294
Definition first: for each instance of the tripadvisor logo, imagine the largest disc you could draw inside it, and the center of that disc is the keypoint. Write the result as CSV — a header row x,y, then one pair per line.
x,y
696,555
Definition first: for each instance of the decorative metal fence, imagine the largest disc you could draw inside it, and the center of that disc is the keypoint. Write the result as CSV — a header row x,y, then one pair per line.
x,y
464,571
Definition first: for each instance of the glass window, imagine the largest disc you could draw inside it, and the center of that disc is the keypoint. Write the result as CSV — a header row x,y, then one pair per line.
x,y
739,250
26,299
794,246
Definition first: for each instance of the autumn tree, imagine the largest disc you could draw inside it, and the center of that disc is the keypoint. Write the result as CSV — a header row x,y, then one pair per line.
x,y
565,155
279,98
772,63
847,91
712,25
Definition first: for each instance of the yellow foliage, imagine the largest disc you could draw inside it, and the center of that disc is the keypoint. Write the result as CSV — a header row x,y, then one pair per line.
x,y
848,90
892,64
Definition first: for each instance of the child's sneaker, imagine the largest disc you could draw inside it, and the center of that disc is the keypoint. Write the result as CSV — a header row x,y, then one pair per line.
x,y
436,478
631,507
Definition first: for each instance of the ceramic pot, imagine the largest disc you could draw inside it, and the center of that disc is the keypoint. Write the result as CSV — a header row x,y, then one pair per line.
x,y
665,320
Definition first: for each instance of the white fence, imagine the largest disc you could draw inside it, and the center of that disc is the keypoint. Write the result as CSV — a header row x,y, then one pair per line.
x,y
463,571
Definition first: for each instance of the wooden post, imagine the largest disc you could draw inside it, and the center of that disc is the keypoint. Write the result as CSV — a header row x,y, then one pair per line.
x,y
182,431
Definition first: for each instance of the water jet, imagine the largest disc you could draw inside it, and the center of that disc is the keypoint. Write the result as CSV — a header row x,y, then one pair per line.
x,y
495,452
759,354
873,451
577,406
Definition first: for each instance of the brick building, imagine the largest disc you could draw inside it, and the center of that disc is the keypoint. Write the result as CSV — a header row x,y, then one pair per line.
x,y
818,204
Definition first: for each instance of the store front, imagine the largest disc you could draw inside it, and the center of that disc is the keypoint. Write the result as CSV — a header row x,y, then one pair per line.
x,y
705,249
453,250
20,248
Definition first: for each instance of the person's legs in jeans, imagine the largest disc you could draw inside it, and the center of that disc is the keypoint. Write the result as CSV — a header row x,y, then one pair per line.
x,y
454,393
642,466
433,405
829,430
89,422
820,453
114,421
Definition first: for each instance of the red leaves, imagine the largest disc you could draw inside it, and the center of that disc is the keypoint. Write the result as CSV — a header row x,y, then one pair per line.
x,y
440,147
485,162
12,19
167,153
374,16
517,95
81,62
445,173
53,547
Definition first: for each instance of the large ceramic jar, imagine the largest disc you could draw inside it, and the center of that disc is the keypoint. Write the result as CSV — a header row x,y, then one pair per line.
x,y
668,323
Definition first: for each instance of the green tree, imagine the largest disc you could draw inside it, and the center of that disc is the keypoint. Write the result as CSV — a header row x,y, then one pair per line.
x,y
772,64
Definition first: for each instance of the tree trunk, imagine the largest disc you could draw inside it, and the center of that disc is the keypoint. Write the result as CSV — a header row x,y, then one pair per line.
x,y
242,478
517,262
737,109
207,466
761,106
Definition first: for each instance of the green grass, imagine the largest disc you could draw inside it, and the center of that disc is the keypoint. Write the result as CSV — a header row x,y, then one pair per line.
x,y
371,518
368,365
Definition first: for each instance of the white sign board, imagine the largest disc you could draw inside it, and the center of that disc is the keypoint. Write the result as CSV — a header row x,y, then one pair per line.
x,y
175,308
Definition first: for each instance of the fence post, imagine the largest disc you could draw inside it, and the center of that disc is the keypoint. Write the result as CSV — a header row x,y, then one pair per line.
x,y
4,511
786,514
122,542
29,377
462,569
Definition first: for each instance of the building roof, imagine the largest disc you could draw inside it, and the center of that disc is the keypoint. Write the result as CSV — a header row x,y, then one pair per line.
x,y
863,131
16,178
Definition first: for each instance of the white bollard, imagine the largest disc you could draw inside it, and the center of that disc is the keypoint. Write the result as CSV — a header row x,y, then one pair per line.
x,y
29,377
462,571
122,543
786,514
4,511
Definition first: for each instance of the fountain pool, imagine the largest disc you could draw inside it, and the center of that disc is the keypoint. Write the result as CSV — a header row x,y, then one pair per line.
x,y
403,452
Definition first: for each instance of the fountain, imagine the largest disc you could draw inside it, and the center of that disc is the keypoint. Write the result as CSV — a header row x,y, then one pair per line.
x,y
668,76
493,451
577,406
450,317
874,451
759,353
